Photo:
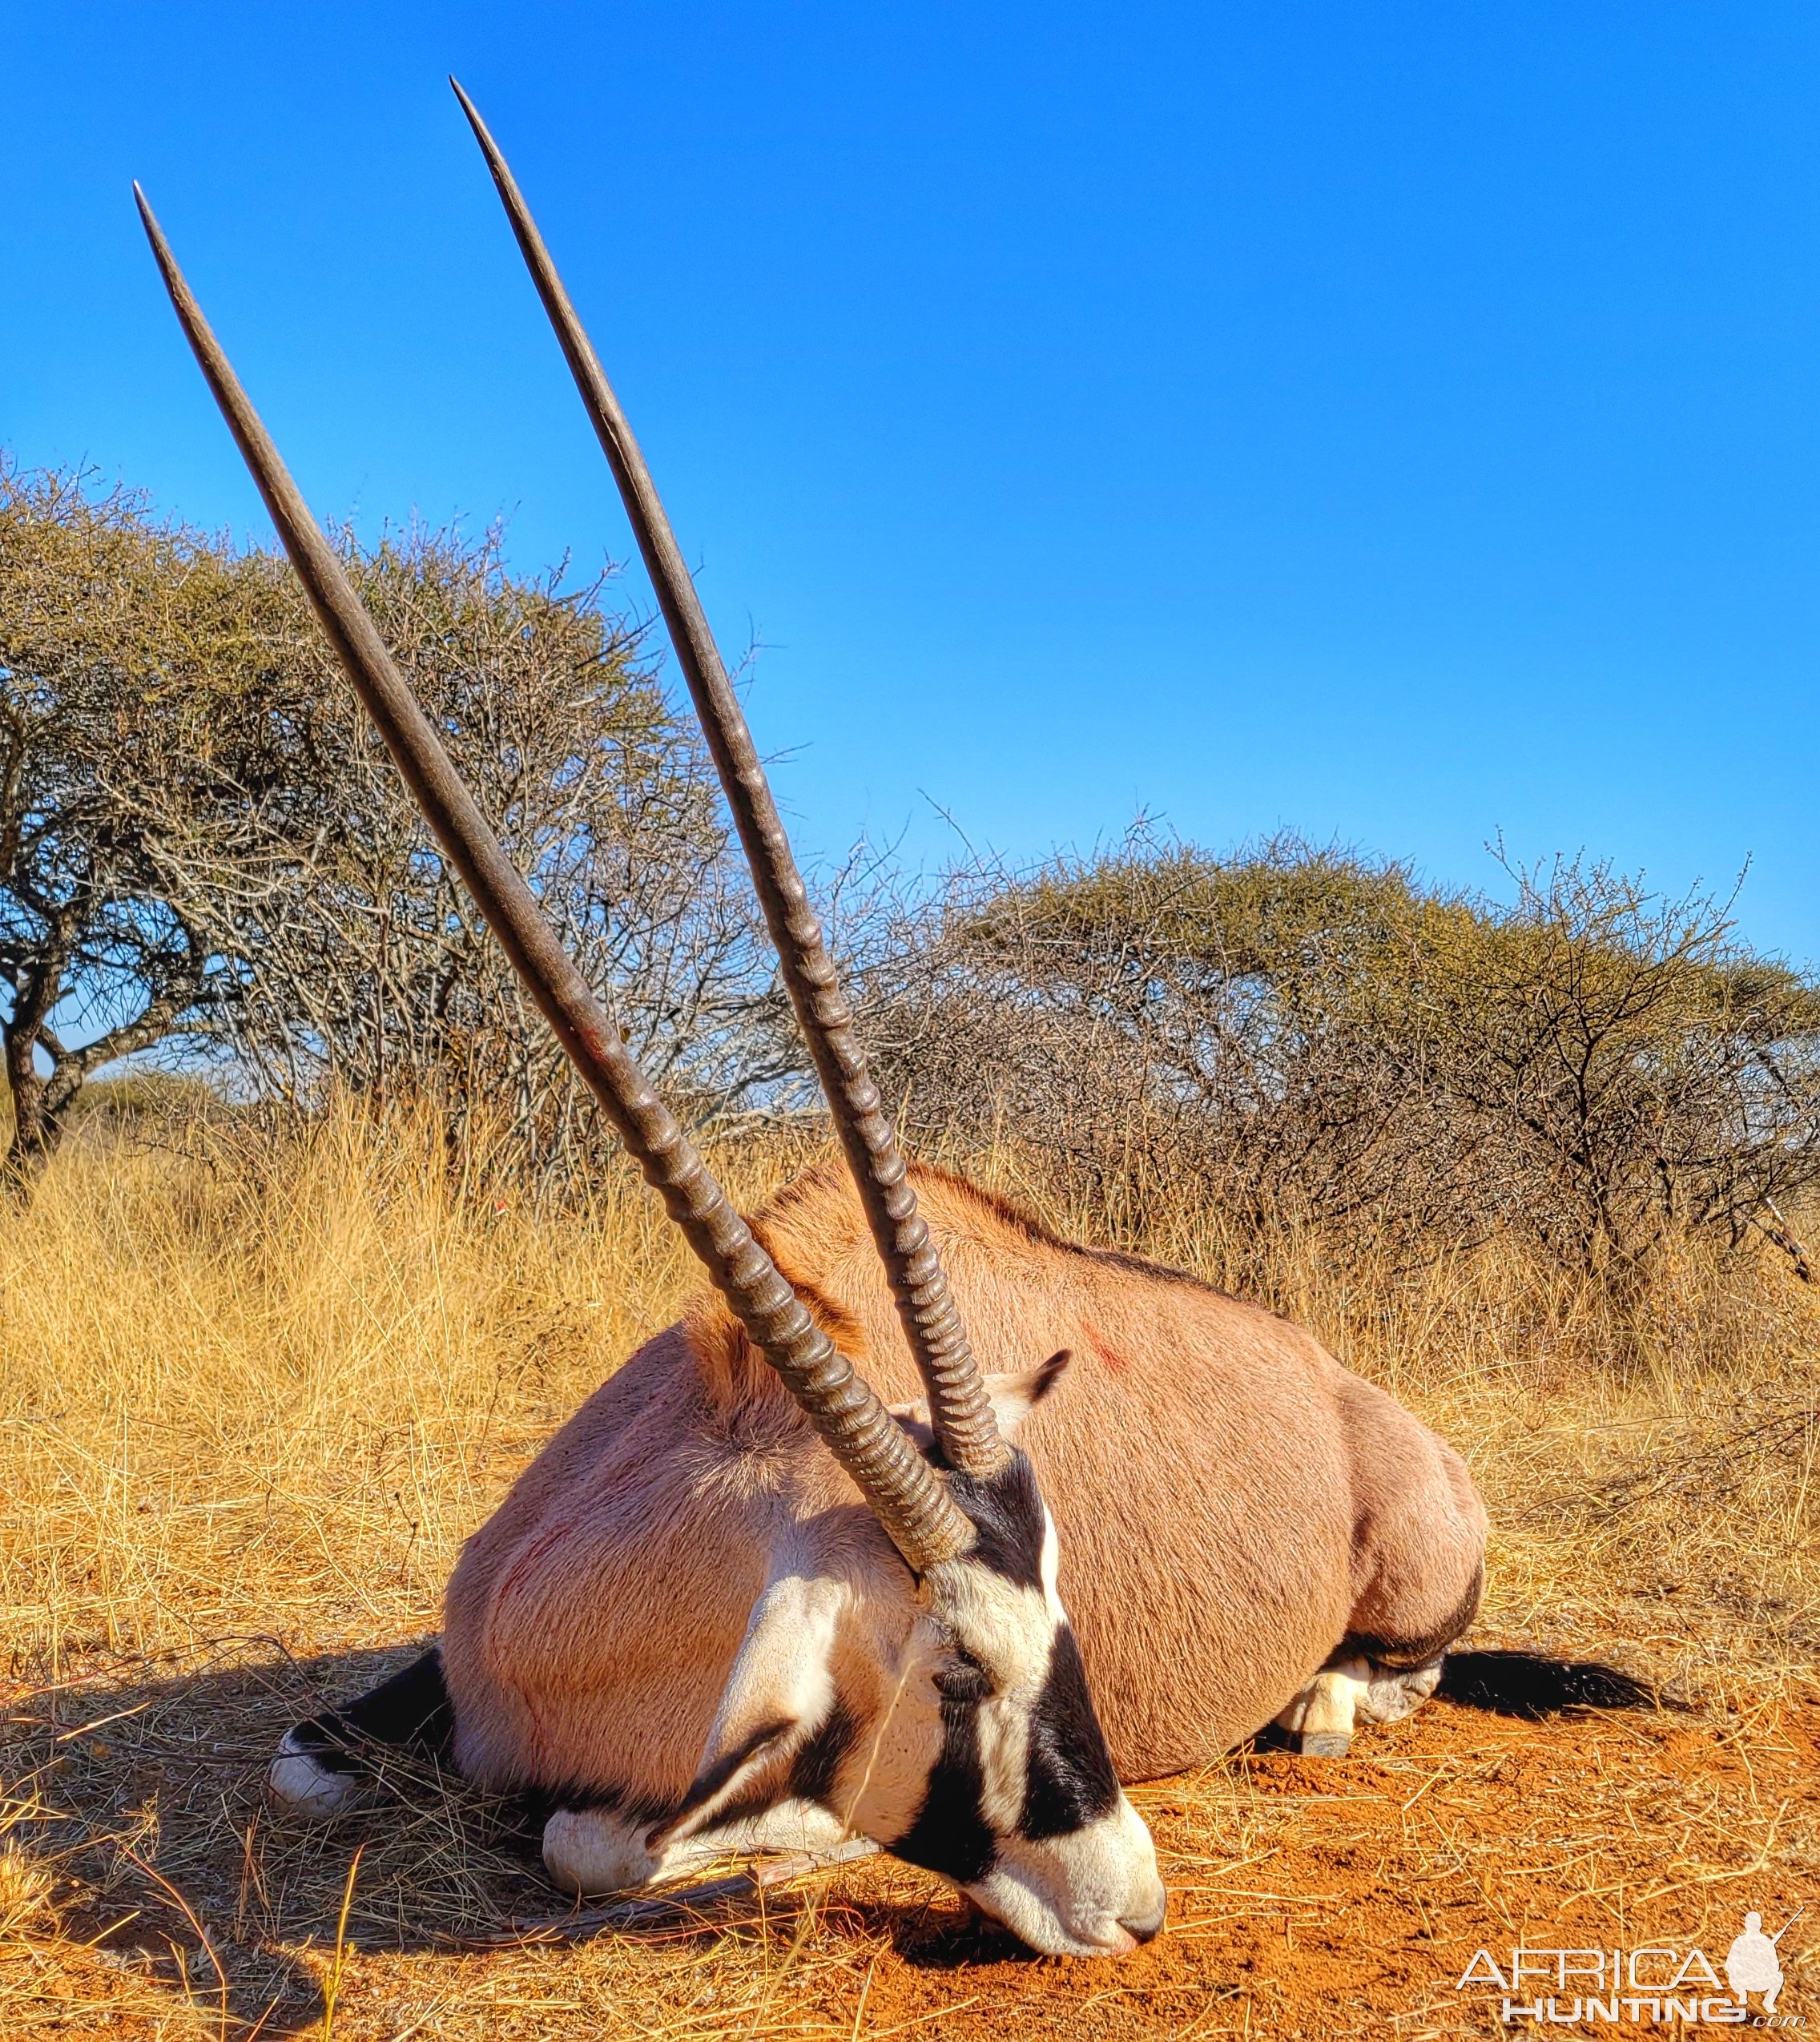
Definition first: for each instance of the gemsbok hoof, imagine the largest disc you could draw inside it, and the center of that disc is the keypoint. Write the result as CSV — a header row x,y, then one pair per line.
x,y
304,1778
1325,1744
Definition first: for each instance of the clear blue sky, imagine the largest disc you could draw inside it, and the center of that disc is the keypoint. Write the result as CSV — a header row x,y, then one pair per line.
x,y
1399,423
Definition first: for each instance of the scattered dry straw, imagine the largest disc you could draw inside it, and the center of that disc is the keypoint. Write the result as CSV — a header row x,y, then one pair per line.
x,y
255,1399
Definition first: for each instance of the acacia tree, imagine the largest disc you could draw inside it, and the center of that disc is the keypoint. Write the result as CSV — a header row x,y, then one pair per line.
x,y
202,844
1644,1070
1297,1033
101,610
358,953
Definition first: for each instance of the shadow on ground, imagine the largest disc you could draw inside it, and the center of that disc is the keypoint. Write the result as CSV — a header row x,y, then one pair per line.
x,y
1532,1685
143,1789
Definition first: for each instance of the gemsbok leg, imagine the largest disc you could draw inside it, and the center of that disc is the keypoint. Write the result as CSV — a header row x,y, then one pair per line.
x,y
1419,1547
326,1763
1351,1690
593,1851
1322,1717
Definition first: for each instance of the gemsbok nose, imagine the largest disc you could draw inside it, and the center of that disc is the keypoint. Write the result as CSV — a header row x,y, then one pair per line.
x,y
1147,1927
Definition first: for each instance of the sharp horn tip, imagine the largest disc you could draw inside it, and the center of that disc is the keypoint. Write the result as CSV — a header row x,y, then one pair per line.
x,y
148,220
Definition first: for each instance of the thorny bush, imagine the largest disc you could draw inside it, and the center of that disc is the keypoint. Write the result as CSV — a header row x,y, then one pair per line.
x,y
1297,1034
203,843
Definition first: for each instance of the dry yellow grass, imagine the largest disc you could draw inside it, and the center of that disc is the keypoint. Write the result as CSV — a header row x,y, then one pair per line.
x,y
254,1399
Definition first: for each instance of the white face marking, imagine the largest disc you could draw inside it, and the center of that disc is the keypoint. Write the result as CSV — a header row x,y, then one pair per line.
x,y
1071,1896
1068,1894
970,1714
1010,1629
1049,1567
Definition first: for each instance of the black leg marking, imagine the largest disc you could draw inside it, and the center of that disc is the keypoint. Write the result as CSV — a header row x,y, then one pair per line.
x,y
816,1774
712,1782
1419,1651
411,1710
537,1803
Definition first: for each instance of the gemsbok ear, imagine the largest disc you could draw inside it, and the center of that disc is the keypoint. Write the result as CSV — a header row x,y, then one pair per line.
x,y
779,1695
1015,1397
1012,1396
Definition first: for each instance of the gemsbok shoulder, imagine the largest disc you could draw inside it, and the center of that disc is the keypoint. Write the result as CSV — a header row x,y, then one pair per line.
x,y
933,1548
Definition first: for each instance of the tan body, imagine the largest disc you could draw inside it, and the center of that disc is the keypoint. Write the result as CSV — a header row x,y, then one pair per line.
x,y
1232,1505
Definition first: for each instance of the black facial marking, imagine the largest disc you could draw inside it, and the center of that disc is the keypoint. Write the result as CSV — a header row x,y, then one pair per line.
x,y
411,1709
1006,1511
949,1835
814,1775
1069,1780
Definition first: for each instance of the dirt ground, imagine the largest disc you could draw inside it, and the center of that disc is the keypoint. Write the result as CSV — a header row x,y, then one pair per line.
x,y
1308,1898
248,1414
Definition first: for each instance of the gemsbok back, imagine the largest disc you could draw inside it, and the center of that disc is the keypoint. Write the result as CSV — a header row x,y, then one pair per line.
x,y
741,1601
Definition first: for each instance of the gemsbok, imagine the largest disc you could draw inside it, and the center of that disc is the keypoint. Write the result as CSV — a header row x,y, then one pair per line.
x,y
741,1601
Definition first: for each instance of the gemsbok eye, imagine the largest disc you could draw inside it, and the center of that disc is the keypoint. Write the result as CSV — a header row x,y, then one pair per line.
x,y
964,1679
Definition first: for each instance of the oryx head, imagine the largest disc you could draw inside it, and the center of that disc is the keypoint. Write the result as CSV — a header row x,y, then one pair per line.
x,y
916,1673
943,1712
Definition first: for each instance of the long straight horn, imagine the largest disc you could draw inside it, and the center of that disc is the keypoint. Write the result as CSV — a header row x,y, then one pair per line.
x,y
909,1498
960,1411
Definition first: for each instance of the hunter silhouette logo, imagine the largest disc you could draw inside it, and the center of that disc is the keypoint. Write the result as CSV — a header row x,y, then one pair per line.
x,y
1752,1964
1654,1985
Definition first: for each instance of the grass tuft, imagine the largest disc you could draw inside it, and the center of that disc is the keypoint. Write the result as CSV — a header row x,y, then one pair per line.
x,y
259,1388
